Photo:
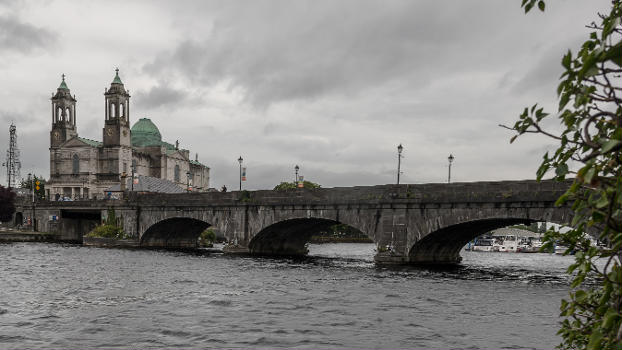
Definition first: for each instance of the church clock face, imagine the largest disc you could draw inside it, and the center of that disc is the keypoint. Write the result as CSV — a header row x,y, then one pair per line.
x,y
124,132
56,135
109,131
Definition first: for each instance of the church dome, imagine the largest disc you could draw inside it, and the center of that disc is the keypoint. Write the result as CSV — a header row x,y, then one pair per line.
x,y
145,133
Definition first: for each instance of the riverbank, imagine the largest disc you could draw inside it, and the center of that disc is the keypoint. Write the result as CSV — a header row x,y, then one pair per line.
x,y
27,236
332,239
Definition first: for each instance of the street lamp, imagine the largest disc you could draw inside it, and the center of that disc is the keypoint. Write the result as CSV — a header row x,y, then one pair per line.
x,y
450,159
399,161
296,168
240,161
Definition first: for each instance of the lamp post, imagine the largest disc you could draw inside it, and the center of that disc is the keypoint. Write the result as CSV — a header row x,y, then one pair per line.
x,y
296,168
33,223
450,159
31,179
188,181
240,160
399,161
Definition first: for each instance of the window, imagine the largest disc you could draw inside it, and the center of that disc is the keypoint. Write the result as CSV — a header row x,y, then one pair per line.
x,y
176,173
75,164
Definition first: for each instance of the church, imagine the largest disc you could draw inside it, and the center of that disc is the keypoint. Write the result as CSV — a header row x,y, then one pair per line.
x,y
84,168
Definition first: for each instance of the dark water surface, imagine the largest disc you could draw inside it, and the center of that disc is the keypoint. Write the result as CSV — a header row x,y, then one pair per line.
x,y
65,296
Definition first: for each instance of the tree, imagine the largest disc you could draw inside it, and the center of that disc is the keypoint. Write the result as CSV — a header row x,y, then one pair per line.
x,y
590,110
39,193
292,185
7,204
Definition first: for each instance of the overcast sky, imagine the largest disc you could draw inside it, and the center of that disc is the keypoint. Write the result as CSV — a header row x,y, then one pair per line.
x,y
332,86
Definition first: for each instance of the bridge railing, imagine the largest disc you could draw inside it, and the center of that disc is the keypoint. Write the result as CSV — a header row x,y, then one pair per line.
x,y
467,192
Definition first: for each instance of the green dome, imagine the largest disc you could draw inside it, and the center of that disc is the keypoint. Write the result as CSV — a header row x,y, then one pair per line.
x,y
145,133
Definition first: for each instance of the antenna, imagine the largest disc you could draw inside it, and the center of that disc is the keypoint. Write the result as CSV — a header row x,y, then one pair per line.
x,y
13,164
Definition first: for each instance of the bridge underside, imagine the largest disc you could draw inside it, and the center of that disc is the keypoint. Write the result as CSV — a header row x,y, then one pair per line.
x,y
288,237
443,246
174,233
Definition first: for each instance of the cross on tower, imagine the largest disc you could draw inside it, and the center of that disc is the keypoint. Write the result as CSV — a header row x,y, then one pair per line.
x,y
117,70
63,75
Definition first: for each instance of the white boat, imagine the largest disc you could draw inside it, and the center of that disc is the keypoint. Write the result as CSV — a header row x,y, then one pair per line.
x,y
482,245
509,244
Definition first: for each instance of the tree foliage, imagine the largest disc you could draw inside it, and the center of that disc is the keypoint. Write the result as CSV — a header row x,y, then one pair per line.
x,y
207,237
110,228
7,204
590,143
27,183
293,185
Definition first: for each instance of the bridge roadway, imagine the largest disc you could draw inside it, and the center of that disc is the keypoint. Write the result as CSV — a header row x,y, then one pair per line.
x,y
422,223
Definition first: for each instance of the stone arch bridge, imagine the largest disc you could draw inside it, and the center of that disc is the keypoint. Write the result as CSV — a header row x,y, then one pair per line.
x,y
423,223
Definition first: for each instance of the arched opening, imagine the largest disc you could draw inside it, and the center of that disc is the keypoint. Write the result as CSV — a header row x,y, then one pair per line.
x,y
122,110
75,164
290,237
19,219
176,173
444,245
59,114
174,233
112,111
68,114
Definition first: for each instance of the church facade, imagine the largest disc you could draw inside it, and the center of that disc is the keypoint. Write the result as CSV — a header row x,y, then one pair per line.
x,y
84,168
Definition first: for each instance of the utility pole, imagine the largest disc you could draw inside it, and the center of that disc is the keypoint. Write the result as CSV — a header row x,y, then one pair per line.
x,y
12,164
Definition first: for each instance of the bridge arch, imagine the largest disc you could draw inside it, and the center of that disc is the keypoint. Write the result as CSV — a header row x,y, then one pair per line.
x,y
175,232
444,245
452,230
289,237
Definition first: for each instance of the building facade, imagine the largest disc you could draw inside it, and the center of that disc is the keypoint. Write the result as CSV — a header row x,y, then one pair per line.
x,y
83,168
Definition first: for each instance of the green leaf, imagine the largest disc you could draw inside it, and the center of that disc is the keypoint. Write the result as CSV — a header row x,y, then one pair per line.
x,y
602,202
614,54
589,175
610,318
610,144
561,170
541,5
580,296
595,339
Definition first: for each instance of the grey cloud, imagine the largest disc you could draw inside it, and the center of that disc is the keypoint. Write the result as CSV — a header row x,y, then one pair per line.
x,y
279,51
160,95
24,37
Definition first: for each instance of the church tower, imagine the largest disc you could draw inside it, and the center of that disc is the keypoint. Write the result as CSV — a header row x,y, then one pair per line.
x,y
116,157
63,116
117,124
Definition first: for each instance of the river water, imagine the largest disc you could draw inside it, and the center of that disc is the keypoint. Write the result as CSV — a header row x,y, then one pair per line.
x,y
56,296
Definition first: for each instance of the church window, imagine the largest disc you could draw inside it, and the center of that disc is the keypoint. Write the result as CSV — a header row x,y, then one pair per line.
x,y
59,114
177,173
75,164
122,113
112,110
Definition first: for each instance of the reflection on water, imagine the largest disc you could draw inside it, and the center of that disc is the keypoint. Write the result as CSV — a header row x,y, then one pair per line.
x,y
64,296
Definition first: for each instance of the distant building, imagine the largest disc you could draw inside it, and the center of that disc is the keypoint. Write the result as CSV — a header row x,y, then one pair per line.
x,y
83,168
